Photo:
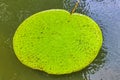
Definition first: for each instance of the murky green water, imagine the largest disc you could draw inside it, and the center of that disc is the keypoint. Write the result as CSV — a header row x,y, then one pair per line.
x,y
105,12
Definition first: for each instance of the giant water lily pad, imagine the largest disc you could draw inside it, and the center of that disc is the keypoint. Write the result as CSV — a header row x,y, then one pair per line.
x,y
57,42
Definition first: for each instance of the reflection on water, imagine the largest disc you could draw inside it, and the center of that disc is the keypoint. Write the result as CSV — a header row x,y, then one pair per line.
x,y
105,12
4,13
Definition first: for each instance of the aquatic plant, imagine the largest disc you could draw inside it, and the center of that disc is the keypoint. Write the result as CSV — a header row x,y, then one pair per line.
x,y
57,42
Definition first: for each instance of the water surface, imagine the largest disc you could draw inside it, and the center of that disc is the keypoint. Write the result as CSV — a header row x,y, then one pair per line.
x,y
105,12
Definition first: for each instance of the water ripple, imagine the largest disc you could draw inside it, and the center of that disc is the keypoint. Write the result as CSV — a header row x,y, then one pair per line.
x,y
107,14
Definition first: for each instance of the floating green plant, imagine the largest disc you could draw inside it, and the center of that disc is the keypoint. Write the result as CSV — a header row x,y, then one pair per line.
x,y
57,42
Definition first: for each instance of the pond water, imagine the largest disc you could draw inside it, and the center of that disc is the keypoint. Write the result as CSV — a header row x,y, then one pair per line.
x,y
105,12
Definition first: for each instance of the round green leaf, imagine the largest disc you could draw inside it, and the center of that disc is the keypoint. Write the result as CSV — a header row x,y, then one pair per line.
x,y
57,42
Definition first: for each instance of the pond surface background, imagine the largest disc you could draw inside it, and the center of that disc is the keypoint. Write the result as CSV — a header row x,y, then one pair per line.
x,y
105,12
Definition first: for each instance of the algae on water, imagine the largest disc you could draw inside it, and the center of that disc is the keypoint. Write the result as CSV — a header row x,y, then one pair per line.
x,y
57,42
